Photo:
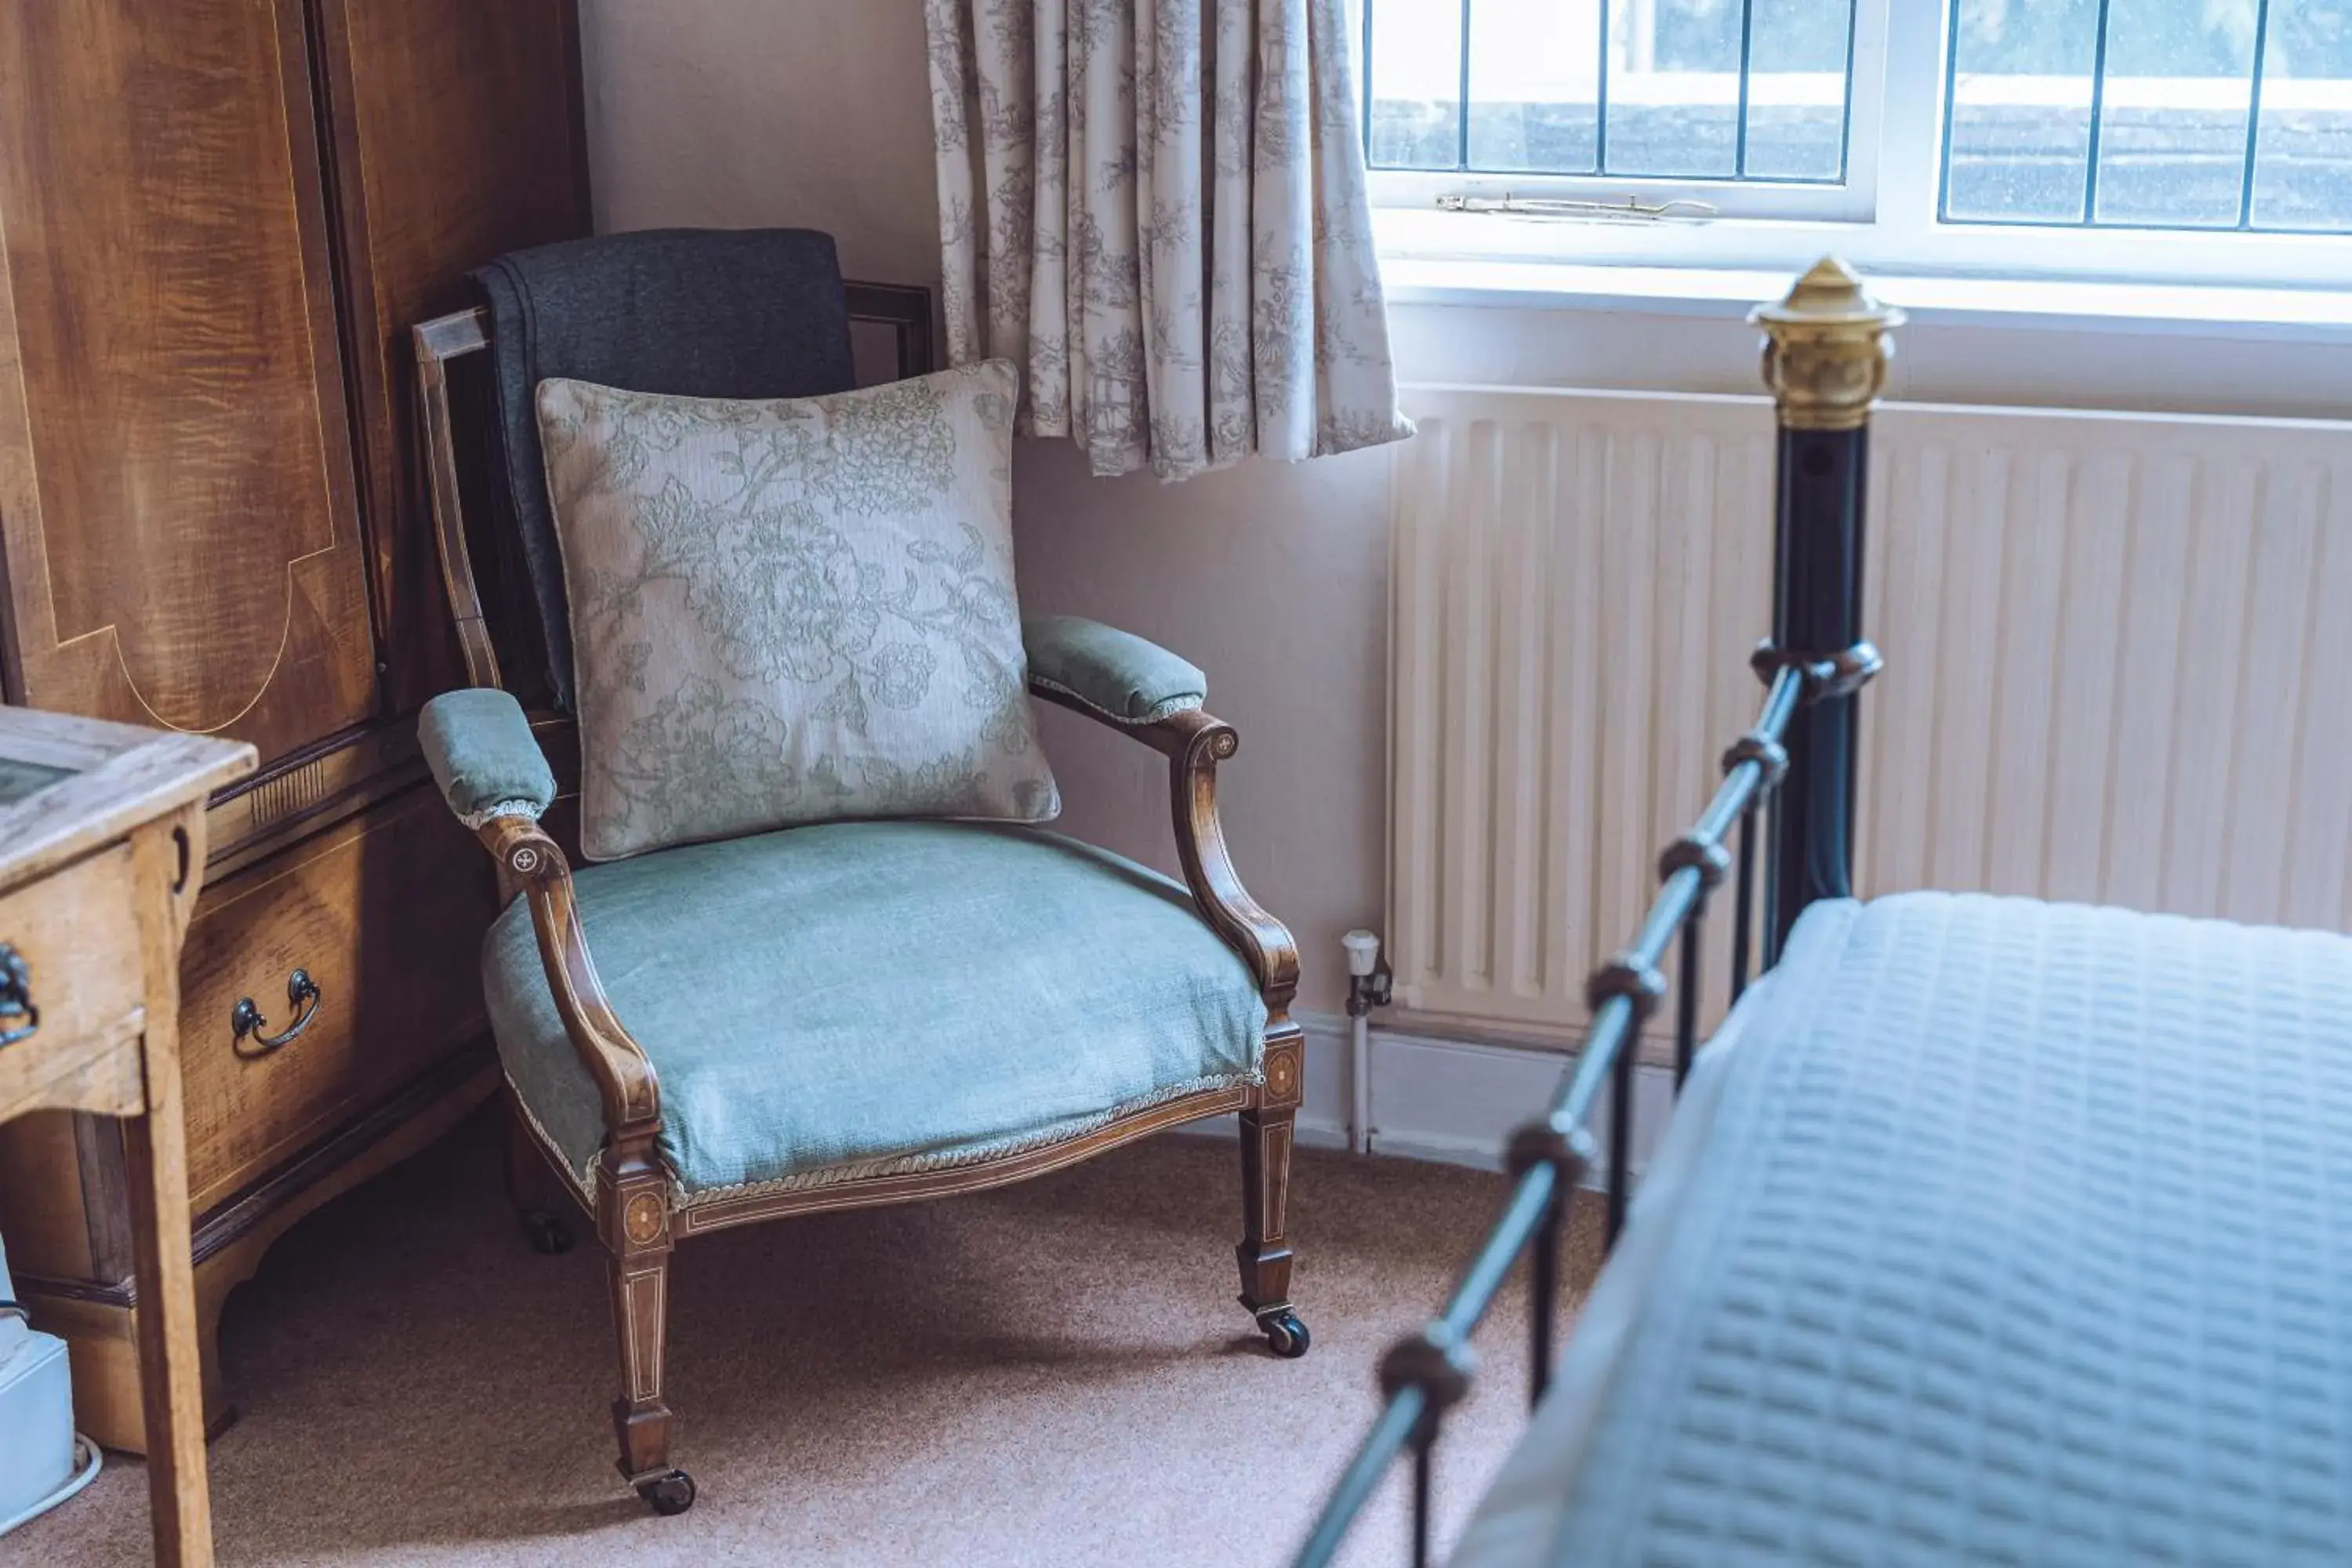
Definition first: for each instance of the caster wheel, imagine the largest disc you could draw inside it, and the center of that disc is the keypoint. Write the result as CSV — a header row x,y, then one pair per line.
x,y
668,1494
1285,1336
549,1236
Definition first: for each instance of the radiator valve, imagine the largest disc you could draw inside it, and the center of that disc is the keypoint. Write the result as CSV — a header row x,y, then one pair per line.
x,y
1369,980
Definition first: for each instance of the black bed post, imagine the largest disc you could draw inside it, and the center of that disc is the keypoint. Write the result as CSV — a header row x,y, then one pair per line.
x,y
1825,355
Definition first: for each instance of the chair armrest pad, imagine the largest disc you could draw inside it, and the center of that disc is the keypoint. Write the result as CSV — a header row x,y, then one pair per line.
x,y
483,755
1118,674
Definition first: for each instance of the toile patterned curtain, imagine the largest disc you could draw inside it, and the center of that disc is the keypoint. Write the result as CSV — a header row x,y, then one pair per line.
x,y
1157,209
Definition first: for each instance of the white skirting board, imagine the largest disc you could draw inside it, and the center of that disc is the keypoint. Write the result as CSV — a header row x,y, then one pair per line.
x,y
1453,1101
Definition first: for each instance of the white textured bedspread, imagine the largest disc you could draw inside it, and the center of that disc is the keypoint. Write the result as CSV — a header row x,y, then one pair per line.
x,y
1989,1232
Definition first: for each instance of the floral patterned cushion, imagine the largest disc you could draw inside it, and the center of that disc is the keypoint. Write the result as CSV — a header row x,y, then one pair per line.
x,y
795,610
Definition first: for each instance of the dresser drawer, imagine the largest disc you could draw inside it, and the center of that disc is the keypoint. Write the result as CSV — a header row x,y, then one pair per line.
x,y
384,915
76,935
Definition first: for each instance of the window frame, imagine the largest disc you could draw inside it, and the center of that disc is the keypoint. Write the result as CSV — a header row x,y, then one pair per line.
x,y
1885,219
1847,200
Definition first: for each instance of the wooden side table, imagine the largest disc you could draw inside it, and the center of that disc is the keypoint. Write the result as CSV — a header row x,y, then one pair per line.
x,y
102,853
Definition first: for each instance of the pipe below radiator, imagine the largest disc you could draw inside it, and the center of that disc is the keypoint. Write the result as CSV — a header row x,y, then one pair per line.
x,y
1368,987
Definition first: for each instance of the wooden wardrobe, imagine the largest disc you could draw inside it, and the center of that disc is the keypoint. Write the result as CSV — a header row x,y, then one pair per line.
x,y
218,219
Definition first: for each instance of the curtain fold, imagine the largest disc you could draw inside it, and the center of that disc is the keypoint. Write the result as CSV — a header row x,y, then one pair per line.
x,y
1157,209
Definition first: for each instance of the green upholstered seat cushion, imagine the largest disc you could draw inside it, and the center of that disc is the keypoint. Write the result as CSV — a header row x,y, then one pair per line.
x,y
850,998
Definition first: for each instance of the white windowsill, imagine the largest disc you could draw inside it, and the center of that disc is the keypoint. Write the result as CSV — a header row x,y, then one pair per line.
x,y
2184,309
1516,279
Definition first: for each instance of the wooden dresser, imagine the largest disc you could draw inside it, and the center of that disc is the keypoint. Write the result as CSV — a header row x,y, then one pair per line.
x,y
218,219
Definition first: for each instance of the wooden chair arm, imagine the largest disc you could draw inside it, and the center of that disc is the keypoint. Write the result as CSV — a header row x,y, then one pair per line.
x,y
623,1074
1194,744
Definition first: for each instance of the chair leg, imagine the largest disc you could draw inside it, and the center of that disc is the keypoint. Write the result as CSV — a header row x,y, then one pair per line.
x,y
634,1215
544,1211
1264,1249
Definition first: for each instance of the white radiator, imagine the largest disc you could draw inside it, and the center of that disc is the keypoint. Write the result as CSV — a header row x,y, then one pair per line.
x,y
2118,648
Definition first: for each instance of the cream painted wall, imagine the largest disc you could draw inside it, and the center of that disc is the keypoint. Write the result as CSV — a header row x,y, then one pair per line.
x,y
1272,578
744,113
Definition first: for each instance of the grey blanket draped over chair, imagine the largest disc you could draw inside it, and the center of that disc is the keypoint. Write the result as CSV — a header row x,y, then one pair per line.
x,y
1157,208
698,312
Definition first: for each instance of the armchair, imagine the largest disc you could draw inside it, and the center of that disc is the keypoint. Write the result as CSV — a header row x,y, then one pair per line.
x,y
832,1016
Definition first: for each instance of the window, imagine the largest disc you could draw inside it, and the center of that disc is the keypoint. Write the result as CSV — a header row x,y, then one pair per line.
x,y
2233,115
2189,139
1695,90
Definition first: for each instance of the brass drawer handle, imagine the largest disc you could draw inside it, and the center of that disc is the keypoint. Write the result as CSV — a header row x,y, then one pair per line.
x,y
245,1019
16,997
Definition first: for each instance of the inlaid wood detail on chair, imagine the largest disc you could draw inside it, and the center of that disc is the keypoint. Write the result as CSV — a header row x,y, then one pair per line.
x,y
1263,1251
633,1213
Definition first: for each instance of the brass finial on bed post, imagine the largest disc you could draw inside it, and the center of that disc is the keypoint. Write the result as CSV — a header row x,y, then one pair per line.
x,y
1825,357
1825,349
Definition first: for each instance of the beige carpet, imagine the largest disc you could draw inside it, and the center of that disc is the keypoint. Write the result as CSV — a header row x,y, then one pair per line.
x,y
1054,1373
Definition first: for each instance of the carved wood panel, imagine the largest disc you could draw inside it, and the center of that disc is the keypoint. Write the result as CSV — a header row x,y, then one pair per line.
x,y
457,133
176,492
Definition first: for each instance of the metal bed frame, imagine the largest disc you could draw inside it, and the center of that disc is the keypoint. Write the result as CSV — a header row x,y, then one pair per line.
x,y
1825,355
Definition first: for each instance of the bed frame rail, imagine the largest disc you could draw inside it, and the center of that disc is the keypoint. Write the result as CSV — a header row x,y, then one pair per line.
x,y
1825,355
